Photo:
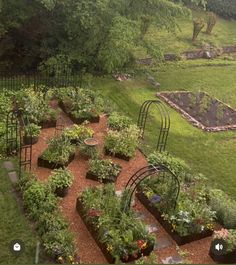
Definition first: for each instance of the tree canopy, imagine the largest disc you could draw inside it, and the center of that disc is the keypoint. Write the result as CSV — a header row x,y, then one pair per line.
x,y
99,34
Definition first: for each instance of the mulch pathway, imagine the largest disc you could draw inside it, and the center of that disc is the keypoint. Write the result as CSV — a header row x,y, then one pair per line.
x,y
87,249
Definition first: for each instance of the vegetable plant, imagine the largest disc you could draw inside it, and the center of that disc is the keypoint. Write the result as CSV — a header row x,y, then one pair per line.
x,y
118,122
32,130
78,133
228,236
60,178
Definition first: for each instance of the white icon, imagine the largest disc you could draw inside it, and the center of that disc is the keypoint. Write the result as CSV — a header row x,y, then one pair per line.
x,y
17,247
219,247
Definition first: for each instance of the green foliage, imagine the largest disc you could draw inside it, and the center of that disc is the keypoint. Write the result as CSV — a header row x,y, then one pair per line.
x,y
104,169
60,178
225,208
38,199
198,25
32,130
212,19
78,133
123,234
59,150
88,151
224,8
118,122
123,142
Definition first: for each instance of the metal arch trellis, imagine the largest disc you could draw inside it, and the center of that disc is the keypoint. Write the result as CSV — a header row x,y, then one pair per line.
x,y
15,130
149,171
165,122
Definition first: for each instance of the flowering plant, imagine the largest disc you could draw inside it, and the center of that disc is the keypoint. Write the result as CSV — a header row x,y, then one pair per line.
x,y
229,236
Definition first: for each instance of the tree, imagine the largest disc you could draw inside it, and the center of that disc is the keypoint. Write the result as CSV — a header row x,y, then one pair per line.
x,y
99,34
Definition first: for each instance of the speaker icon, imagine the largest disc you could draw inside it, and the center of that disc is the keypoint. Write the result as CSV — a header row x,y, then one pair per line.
x,y
219,247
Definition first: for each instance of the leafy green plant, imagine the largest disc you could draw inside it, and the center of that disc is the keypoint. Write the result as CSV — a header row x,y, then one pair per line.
x,y
118,122
78,133
123,235
32,130
104,169
60,178
123,142
59,150
88,151
38,199
225,208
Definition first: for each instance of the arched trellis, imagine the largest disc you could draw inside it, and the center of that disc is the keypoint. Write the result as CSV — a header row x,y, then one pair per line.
x,y
15,145
165,122
144,173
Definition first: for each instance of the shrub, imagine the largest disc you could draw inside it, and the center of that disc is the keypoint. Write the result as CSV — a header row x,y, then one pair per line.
x,y
104,169
78,133
198,25
118,122
38,199
58,243
123,142
224,8
212,19
59,150
32,130
224,207
176,165
60,178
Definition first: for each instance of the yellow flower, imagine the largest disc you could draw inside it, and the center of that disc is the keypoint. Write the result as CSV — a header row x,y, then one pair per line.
x,y
60,259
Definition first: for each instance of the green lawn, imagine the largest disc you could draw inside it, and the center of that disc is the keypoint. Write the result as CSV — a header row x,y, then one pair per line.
x,y
13,225
223,34
212,154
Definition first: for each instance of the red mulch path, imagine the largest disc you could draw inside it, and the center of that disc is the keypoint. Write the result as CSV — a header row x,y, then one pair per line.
x,y
87,249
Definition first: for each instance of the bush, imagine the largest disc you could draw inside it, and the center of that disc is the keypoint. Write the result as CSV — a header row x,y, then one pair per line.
x,y
123,142
224,207
224,8
104,169
78,133
38,199
60,178
32,130
59,150
176,165
118,122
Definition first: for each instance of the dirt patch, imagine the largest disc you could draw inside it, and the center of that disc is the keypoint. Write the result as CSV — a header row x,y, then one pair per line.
x,y
202,110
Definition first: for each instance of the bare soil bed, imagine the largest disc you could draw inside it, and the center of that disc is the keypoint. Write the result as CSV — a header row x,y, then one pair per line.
x,y
202,110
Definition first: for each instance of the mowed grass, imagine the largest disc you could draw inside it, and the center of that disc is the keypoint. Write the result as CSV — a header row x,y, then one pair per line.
x,y
212,154
13,225
224,33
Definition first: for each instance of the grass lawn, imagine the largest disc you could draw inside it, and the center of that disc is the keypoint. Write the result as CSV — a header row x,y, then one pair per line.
x,y
223,34
212,154
13,225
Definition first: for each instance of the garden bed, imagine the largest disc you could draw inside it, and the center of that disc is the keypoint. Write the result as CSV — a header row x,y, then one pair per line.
x,y
95,119
180,240
92,176
203,111
93,231
120,156
48,124
52,165
228,258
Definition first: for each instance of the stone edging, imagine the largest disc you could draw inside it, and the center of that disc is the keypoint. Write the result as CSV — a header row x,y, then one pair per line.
x,y
192,120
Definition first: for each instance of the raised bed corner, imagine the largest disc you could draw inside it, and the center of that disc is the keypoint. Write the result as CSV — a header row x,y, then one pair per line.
x,y
52,165
120,156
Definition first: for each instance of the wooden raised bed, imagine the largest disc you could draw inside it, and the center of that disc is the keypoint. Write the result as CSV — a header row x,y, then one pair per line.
x,y
180,240
92,176
51,165
120,156
78,120
30,140
48,124
93,231
228,258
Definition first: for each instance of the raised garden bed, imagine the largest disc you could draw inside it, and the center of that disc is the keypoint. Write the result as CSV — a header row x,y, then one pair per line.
x,y
180,240
52,165
120,156
30,140
78,120
94,232
203,111
228,258
48,124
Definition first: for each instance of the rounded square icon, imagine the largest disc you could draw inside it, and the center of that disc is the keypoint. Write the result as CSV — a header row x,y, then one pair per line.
x,y
17,246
